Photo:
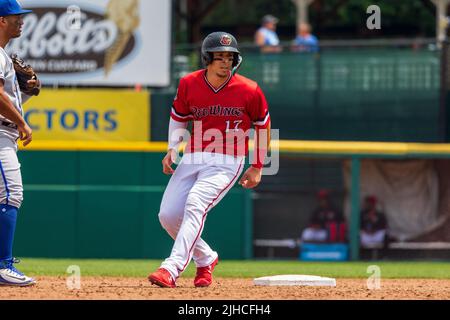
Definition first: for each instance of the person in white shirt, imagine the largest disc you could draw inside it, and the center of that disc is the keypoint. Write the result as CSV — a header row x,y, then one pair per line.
x,y
266,37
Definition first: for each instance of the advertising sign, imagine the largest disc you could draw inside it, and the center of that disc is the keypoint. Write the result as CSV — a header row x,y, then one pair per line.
x,y
97,42
89,115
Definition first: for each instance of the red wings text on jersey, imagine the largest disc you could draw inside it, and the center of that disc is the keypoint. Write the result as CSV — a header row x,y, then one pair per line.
x,y
222,117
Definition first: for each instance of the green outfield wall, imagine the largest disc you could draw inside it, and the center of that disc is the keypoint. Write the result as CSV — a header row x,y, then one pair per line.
x,y
105,204
101,199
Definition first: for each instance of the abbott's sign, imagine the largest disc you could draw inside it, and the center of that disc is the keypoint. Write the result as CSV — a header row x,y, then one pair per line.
x,y
104,42
52,45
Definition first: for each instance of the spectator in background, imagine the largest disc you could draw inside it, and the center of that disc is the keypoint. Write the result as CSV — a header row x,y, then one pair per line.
x,y
327,223
266,37
373,224
305,41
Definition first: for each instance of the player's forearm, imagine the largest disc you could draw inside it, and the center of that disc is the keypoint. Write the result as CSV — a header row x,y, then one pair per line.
x,y
8,111
262,145
176,133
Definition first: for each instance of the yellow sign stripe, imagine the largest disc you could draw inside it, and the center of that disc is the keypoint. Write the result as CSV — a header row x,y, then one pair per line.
x,y
285,146
351,147
96,146
333,147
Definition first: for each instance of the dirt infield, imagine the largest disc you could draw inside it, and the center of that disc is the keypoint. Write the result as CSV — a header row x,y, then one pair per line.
x,y
101,288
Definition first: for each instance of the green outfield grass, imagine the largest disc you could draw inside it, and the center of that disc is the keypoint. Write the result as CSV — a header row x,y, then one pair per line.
x,y
239,269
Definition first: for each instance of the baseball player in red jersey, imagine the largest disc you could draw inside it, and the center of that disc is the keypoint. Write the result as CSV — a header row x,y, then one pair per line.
x,y
223,107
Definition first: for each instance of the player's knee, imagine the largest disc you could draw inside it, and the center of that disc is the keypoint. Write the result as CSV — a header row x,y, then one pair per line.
x,y
163,218
169,224
166,219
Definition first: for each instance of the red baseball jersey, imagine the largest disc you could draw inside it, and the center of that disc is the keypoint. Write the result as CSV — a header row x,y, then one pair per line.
x,y
222,116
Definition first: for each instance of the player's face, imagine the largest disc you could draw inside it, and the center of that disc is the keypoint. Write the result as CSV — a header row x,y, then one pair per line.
x,y
222,63
14,25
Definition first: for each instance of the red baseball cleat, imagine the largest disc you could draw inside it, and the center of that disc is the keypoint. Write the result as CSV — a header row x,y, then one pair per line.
x,y
162,278
204,274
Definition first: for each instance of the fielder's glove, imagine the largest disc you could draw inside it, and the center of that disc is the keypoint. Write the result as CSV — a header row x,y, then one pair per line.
x,y
24,73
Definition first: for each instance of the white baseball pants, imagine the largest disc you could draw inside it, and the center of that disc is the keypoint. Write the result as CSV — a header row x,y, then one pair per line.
x,y
199,182
11,190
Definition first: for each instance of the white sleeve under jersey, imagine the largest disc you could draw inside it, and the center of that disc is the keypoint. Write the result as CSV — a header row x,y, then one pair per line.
x,y
177,133
2,68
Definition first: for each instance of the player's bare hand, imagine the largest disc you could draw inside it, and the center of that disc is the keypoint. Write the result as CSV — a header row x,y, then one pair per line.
x,y
251,178
25,134
168,160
